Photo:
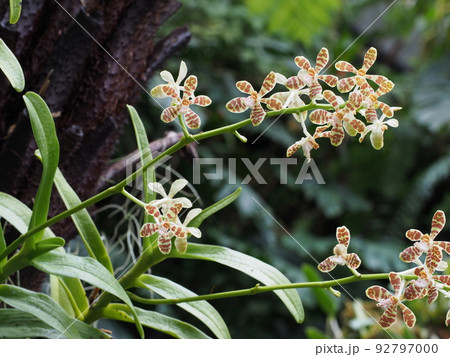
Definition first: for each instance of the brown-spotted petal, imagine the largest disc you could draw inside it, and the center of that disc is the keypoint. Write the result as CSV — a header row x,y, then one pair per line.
x,y
386,109
192,119
433,258
437,223
178,231
432,294
320,117
378,79
388,317
396,282
329,79
302,62
245,87
343,236
174,210
165,243
413,292
202,100
410,254
346,84
408,316
327,265
190,85
344,66
331,98
444,245
352,261
294,83
444,279
169,114
369,58
321,59
414,235
237,105
337,135
377,293
314,90
148,229
268,84
272,103
153,211
257,115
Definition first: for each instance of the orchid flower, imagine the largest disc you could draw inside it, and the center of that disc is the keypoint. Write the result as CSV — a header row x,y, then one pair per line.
x,y
390,302
425,242
340,257
168,200
426,284
310,76
164,225
254,100
180,106
161,90
341,118
346,84
377,129
307,143
181,242
370,100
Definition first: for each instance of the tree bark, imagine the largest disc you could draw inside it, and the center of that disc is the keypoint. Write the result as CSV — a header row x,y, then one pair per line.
x,y
87,63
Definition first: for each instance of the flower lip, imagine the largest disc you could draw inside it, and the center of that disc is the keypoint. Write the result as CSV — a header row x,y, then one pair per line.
x,y
340,250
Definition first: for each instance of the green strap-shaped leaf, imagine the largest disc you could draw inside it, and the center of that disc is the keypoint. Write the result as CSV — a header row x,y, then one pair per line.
x,y
2,244
20,324
45,135
203,310
15,7
253,267
11,67
86,269
214,208
328,304
156,321
83,222
43,307
149,174
18,214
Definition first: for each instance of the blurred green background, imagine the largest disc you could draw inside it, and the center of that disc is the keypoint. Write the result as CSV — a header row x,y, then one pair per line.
x,y
378,195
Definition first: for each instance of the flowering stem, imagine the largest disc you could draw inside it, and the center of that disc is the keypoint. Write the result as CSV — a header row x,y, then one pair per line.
x,y
257,289
354,272
132,198
183,127
10,266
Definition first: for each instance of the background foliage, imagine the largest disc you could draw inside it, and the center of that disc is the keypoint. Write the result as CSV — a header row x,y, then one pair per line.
x,y
378,195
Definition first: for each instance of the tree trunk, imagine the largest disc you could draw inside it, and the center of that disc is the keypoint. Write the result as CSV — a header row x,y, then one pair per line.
x,y
87,63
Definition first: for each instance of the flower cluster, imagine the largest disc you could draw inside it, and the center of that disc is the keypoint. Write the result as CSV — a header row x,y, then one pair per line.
x,y
165,212
426,284
340,116
180,105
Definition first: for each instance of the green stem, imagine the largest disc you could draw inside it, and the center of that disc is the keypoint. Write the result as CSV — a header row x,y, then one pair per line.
x,y
261,289
132,198
183,127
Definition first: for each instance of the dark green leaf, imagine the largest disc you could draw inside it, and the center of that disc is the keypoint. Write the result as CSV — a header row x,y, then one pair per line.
x,y
214,208
15,7
18,214
45,135
156,321
11,67
83,222
44,308
203,310
2,244
86,269
328,304
253,267
315,333
20,324
149,174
